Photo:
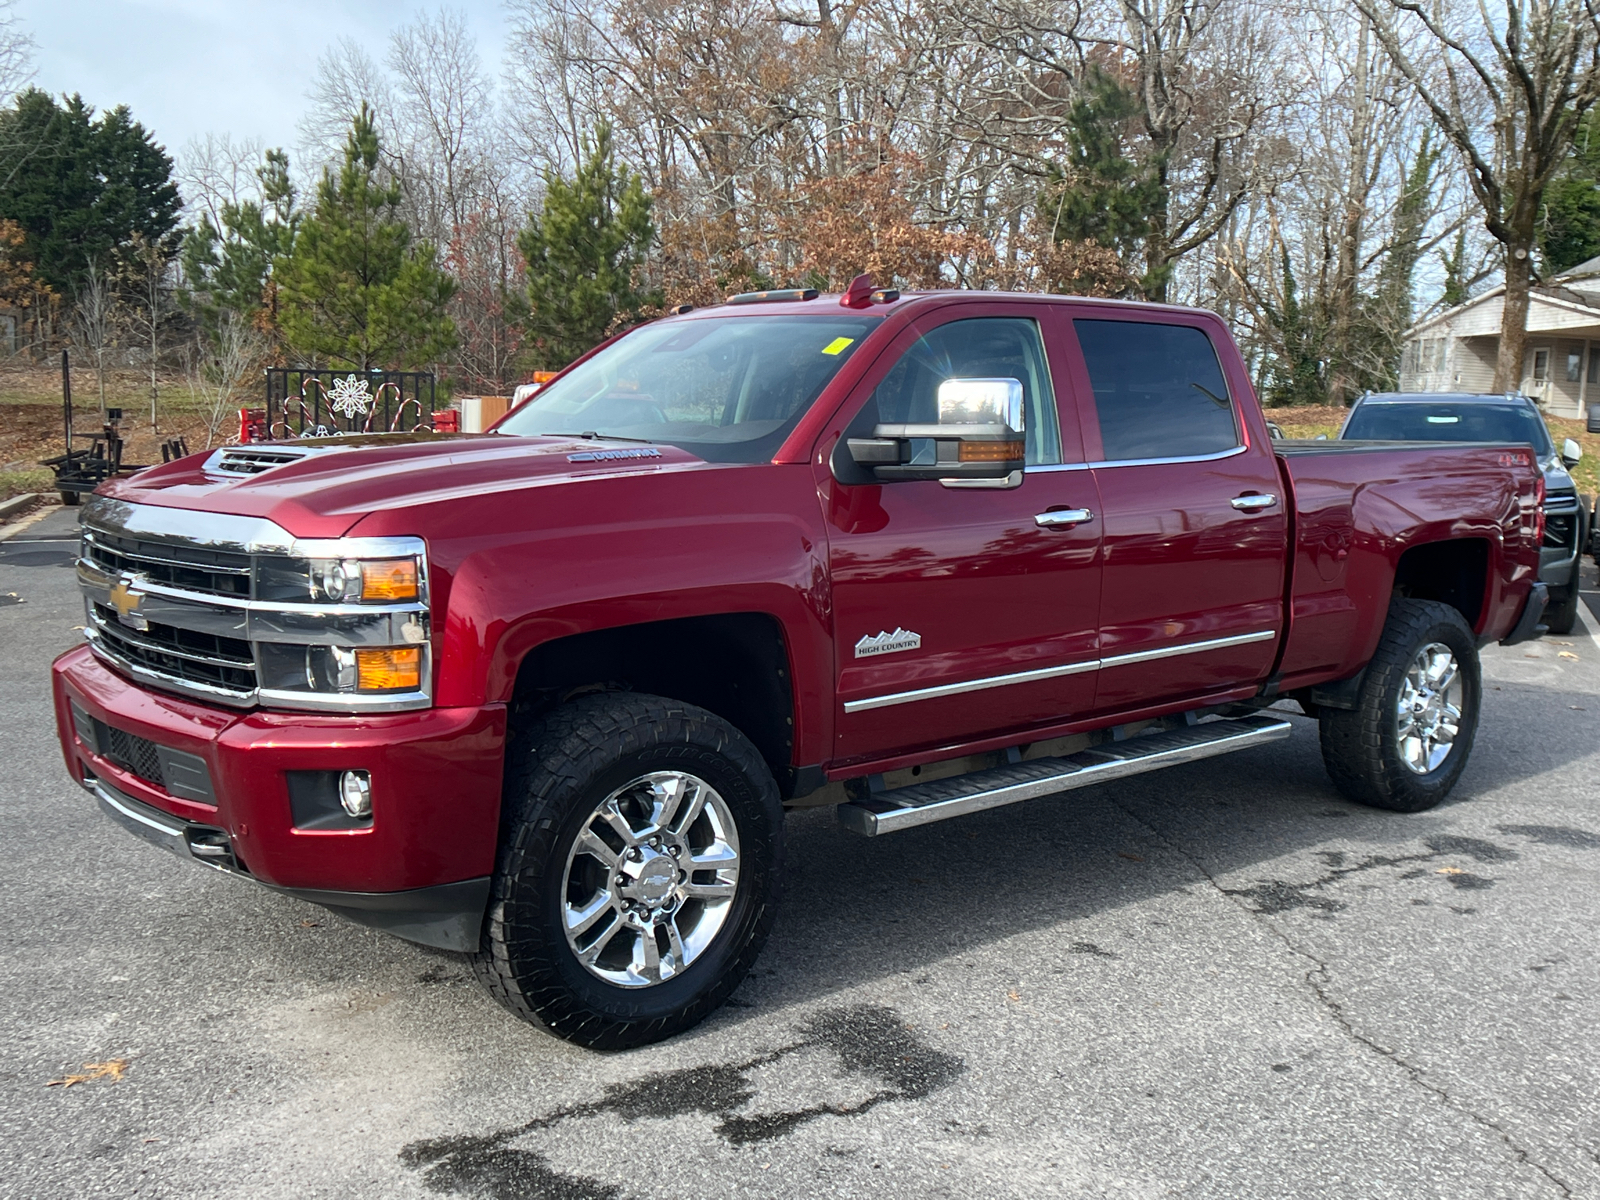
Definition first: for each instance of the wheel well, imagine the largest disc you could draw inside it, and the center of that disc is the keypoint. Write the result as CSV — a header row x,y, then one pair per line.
x,y
1455,573
733,664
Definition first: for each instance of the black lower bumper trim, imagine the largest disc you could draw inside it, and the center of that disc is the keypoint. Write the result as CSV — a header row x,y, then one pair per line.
x,y
1528,626
448,916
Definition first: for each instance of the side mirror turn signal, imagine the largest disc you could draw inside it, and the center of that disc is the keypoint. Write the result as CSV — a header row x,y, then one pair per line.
x,y
979,435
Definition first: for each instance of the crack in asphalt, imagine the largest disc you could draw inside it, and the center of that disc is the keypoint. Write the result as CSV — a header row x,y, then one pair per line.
x,y
1319,977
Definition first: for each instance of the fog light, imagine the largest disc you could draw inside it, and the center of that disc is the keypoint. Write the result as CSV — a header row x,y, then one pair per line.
x,y
355,793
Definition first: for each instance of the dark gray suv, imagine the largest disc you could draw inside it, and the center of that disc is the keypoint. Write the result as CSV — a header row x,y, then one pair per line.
x,y
1462,417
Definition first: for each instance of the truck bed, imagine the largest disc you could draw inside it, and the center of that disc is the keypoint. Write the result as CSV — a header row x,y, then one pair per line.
x,y
1359,507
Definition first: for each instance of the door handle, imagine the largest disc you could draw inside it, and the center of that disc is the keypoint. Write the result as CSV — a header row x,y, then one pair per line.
x,y
1063,518
1253,502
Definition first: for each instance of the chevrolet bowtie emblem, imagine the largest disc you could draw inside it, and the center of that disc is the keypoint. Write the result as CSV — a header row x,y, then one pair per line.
x,y
125,599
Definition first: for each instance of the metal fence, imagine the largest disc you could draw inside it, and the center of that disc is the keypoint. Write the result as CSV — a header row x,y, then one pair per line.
x,y
303,403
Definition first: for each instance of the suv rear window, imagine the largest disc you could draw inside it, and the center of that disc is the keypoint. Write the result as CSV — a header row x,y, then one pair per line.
x,y
1158,390
1378,421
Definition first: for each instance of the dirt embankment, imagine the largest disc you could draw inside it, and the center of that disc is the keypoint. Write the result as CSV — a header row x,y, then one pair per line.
x,y
31,426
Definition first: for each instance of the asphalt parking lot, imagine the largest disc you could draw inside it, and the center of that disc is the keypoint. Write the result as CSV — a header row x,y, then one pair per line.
x,y
1222,980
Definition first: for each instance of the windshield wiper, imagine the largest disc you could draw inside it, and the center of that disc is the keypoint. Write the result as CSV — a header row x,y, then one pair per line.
x,y
592,436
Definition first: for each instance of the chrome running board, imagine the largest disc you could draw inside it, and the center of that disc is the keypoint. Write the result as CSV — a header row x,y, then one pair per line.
x,y
924,803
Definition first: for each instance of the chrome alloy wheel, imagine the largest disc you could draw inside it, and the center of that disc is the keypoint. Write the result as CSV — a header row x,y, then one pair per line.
x,y
650,879
1428,716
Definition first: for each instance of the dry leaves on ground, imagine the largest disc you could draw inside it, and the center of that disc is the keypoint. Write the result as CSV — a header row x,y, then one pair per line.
x,y
111,1069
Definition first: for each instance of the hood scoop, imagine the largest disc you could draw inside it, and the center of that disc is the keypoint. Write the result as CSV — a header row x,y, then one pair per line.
x,y
250,460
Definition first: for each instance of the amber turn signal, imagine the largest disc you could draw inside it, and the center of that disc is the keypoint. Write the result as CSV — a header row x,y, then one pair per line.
x,y
389,579
991,451
391,669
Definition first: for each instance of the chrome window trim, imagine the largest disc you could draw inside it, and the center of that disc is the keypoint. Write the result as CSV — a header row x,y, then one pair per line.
x,y
1101,464
1093,664
1162,462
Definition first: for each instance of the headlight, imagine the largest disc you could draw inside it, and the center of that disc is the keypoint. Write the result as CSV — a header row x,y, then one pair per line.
x,y
342,580
349,624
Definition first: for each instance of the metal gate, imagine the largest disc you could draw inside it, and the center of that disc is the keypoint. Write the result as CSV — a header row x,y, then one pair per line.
x,y
303,403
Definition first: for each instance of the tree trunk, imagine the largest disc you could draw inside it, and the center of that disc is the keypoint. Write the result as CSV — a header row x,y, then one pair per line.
x,y
1514,317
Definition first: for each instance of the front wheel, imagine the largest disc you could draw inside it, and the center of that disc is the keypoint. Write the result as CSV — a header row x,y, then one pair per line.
x,y
638,870
1407,740
1562,614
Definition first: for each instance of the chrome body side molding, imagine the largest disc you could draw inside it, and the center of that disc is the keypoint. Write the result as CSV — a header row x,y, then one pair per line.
x,y
1092,664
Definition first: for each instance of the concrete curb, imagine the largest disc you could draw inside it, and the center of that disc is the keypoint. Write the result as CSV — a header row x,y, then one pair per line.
x,y
10,508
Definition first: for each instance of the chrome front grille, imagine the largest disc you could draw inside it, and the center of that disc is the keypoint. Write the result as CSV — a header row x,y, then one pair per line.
x,y
194,569
204,604
186,654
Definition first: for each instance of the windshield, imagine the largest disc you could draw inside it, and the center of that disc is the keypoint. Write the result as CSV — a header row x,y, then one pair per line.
x,y
728,389
1475,422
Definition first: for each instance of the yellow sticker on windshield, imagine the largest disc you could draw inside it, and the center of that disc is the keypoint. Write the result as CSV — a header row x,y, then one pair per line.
x,y
837,345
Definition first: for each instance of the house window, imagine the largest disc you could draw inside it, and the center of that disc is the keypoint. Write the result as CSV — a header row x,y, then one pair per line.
x,y
1574,365
1541,366
1594,366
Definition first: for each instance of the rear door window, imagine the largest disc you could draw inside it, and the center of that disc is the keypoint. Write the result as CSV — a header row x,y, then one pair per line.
x,y
1158,390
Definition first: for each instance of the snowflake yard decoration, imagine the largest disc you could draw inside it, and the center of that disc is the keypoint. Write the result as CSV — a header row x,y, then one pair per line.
x,y
349,397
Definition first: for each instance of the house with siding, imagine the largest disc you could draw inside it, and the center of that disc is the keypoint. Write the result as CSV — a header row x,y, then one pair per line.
x,y
1455,350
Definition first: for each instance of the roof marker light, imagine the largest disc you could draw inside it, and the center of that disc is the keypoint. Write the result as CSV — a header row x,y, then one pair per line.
x,y
769,297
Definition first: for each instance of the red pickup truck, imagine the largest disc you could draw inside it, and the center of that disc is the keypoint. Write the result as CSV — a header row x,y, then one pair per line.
x,y
542,695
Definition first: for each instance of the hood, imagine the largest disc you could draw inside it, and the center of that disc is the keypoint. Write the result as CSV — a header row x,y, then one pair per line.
x,y
321,487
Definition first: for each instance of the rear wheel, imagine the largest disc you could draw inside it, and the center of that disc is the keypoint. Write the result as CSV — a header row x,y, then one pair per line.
x,y
70,499
1407,740
638,871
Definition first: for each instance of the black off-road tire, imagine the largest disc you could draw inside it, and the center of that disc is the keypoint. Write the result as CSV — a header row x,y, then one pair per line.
x,y
557,771
1360,747
70,499
1562,614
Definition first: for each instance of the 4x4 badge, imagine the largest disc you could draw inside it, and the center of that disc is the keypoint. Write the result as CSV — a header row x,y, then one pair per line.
x,y
888,643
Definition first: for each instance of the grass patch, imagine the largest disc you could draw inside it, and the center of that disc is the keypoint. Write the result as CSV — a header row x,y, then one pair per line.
x,y
27,479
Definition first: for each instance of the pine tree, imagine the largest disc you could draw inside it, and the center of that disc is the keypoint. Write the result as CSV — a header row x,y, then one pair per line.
x,y
1297,372
356,291
229,270
1570,231
1100,193
583,250
82,187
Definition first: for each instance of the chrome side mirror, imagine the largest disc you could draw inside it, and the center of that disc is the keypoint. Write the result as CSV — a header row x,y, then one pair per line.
x,y
979,435
1571,453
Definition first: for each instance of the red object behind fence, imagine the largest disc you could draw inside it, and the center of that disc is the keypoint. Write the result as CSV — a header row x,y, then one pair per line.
x,y
252,425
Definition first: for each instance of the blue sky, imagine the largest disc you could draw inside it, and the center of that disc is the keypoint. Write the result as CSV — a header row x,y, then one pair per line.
x,y
191,67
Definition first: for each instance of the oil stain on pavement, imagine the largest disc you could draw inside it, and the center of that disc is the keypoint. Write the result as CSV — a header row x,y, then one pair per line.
x,y
867,1042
